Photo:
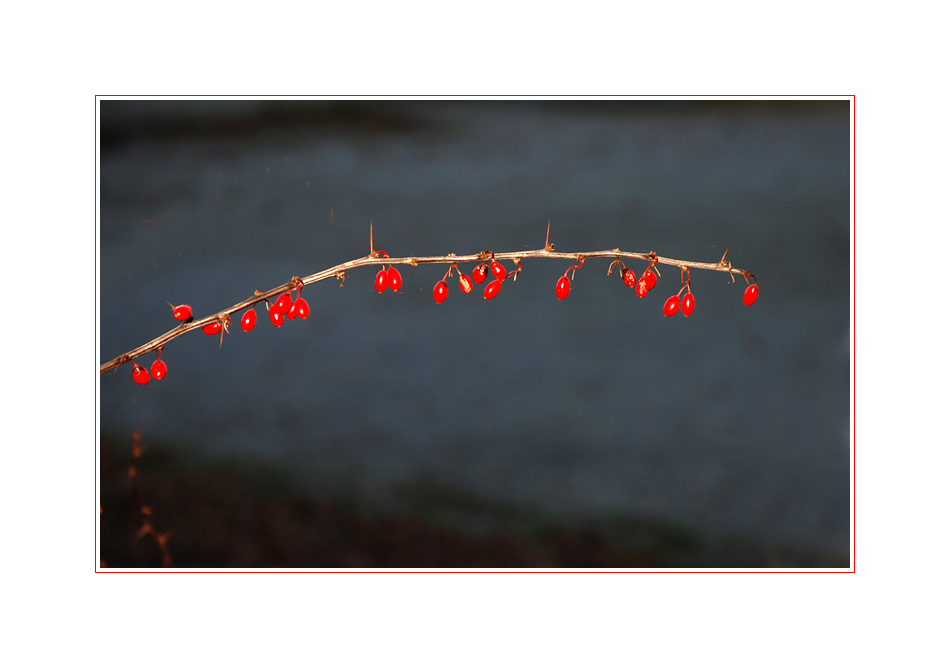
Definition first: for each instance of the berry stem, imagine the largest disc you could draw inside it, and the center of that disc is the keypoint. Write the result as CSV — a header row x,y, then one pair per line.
x,y
448,274
572,269
514,274
686,282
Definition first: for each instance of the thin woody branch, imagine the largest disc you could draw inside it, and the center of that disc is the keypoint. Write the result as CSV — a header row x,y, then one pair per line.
x,y
376,257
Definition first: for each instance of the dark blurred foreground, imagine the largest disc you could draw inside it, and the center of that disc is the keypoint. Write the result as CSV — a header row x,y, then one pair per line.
x,y
232,517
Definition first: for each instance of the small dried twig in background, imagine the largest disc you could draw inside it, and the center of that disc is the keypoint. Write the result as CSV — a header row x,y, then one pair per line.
x,y
145,512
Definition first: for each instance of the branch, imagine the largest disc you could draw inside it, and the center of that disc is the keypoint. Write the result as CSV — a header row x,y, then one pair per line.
x,y
376,257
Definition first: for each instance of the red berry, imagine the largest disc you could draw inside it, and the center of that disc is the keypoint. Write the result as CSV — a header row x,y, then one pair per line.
x,y
629,278
248,320
751,294
642,287
182,313
651,279
300,309
283,303
395,280
688,304
211,328
382,281
479,273
492,289
440,292
158,370
140,375
563,288
465,283
671,306
275,317
498,271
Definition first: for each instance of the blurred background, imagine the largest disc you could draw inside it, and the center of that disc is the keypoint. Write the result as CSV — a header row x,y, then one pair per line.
x,y
387,430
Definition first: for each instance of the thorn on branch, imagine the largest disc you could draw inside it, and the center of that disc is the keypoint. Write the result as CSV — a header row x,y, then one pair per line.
x,y
722,262
340,276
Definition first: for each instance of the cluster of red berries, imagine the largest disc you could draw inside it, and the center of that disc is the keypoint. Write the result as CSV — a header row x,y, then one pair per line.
x,y
441,290
141,376
646,283
479,275
183,314
286,307
672,305
390,278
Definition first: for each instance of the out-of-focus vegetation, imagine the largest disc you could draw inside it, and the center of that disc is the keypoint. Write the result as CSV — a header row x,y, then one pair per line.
x,y
232,517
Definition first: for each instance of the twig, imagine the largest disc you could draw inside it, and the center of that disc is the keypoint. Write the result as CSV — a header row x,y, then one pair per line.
x,y
376,257
145,512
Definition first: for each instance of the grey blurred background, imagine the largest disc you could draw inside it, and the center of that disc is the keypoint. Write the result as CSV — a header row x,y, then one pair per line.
x,y
732,425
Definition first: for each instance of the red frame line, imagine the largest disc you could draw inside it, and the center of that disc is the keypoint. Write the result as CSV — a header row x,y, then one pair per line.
x,y
852,449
